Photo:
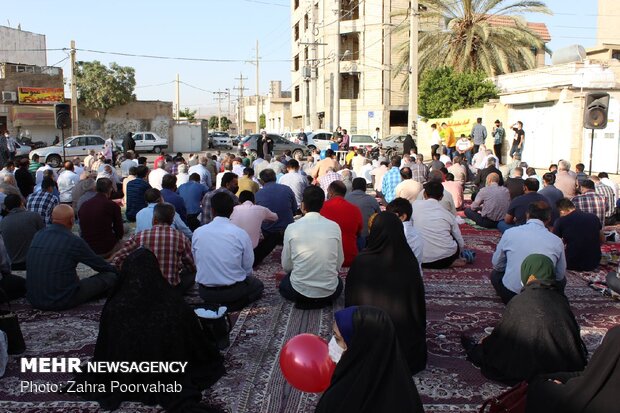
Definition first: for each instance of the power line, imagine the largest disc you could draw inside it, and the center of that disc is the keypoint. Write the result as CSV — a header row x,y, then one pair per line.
x,y
159,84
192,59
267,3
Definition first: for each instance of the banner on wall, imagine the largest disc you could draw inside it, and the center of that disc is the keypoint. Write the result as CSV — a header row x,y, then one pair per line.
x,y
458,125
40,95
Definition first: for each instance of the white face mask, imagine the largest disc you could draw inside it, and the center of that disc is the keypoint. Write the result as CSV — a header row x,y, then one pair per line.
x,y
335,351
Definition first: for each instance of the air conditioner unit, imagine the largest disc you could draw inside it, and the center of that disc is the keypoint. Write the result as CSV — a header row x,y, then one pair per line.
x,y
9,96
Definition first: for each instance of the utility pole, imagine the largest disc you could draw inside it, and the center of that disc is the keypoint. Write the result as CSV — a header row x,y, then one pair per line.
x,y
412,120
257,92
229,114
74,106
240,108
219,99
337,71
178,108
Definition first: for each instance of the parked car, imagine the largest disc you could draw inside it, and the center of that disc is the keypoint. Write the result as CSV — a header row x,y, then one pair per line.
x,y
237,139
22,150
362,141
146,142
279,145
74,146
319,139
221,140
393,144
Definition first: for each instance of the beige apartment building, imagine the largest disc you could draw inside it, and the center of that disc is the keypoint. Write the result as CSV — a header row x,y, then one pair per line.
x,y
371,95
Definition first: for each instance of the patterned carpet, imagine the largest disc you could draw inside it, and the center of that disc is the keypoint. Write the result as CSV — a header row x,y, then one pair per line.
x,y
457,300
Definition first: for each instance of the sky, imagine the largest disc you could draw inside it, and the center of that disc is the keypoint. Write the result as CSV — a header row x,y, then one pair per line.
x,y
209,29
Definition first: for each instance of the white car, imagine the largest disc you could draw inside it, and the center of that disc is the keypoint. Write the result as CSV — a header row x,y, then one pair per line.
x,y
319,139
21,150
362,141
74,146
221,140
147,142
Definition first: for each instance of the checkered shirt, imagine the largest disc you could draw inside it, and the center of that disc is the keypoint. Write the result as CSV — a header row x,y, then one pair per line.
x,y
172,249
42,203
390,180
419,172
328,178
593,203
610,198
206,203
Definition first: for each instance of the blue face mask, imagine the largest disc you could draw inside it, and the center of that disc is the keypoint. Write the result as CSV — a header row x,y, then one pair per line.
x,y
335,351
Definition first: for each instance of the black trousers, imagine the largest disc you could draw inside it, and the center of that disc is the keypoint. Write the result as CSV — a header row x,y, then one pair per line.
x,y
479,219
498,151
266,245
444,262
235,296
187,280
13,286
193,222
504,293
434,149
301,301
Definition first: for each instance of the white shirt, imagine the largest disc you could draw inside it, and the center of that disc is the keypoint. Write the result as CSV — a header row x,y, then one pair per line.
x,y
518,243
218,179
611,184
39,173
438,228
66,181
223,253
357,163
365,172
312,253
250,217
156,176
435,137
126,164
447,201
182,179
238,169
297,182
205,175
415,241
444,159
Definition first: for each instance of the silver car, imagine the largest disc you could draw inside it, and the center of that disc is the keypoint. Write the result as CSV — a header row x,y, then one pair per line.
x,y
74,146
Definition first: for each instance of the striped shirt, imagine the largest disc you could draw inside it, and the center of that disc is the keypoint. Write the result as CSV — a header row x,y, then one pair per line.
x,y
172,249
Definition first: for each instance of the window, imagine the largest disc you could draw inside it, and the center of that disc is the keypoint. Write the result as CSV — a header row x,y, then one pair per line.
x,y
350,86
350,46
95,140
296,93
398,118
296,4
615,54
306,22
296,63
149,137
296,31
138,137
349,9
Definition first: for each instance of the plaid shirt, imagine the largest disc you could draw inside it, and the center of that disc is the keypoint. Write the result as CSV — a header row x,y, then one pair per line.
x,y
172,249
610,198
419,172
206,203
43,203
593,203
328,178
390,180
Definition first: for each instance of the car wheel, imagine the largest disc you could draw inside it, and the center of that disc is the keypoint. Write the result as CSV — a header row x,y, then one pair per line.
x,y
54,161
157,150
298,152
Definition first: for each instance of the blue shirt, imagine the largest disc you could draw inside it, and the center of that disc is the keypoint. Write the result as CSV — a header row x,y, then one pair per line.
x,y
388,186
279,199
51,277
518,243
173,198
192,193
135,197
144,220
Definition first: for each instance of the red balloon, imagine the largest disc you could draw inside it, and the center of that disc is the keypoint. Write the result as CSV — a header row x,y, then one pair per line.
x,y
305,363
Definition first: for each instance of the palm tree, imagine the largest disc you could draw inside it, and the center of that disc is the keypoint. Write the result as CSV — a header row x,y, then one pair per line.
x,y
461,35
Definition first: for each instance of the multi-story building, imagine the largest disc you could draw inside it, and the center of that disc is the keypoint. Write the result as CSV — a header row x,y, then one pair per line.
x,y
371,35
275,106
370,94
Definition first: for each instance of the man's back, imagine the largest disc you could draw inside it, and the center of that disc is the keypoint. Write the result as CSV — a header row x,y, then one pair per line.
x,y
515,186
297,182
367,205
156,176
459,172
580,232
223,253
18,229
43,203
192,193
552,194
250,217
313,253
135,197
176,200
349,219
323,165
518,206
566,183
437,227
101,223
409,189
593,203
279,199
247,184
66,181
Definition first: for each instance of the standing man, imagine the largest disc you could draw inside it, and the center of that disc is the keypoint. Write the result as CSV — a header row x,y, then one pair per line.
x,y
66,181
377,136
479,134
499,133
450,138
302,137
11,145
519,139
435,139
129,144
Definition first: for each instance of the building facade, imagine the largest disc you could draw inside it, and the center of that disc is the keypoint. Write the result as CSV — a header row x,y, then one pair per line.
x,y
22,47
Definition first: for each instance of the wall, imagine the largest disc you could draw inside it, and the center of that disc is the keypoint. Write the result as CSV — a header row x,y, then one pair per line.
x,y
12,40
608,18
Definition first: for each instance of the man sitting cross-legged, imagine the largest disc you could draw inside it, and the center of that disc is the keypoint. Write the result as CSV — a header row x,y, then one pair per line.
x,y
312,255
52,282
224,257
518,243
172,249
491,203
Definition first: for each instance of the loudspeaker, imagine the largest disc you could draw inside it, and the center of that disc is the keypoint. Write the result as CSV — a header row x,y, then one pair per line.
x,y
63,115
596,110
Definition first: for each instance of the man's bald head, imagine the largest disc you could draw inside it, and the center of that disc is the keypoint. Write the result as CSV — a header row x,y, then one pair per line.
x,y
63,215
492,178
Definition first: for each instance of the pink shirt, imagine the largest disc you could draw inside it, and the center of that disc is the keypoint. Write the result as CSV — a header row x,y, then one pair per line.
x,y
456,190
249,217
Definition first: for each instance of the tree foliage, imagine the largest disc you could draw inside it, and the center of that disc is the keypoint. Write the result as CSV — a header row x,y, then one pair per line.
x,y
465,38
262,121
190,115
101,88
442,91
214,124
225,123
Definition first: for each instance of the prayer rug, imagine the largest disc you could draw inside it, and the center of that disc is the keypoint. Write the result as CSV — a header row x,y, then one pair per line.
x,y
458,300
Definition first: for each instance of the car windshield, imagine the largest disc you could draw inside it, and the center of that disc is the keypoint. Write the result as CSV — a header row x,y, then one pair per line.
x,y
245,139
362,138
